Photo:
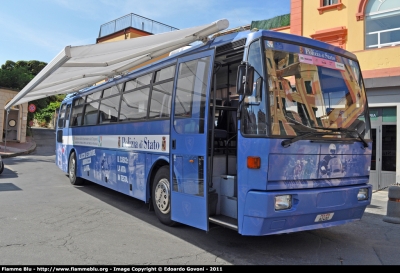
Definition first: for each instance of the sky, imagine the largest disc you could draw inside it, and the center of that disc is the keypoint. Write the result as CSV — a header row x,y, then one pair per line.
x,y
40,29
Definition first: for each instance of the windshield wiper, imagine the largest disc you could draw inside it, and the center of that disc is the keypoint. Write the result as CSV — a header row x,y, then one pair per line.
x,y
346,131
286,143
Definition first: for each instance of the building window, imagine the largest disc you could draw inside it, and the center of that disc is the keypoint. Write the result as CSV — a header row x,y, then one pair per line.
x,y
329,2
382,24
326,5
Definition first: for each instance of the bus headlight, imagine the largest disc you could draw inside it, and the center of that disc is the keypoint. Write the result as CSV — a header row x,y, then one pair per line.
x,y
362,194
283,202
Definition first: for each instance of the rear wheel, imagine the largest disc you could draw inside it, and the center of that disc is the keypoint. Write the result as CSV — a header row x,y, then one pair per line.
x,y
161,196
72,171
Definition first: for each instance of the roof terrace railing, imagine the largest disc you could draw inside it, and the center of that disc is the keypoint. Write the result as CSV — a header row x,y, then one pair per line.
x,y
135,21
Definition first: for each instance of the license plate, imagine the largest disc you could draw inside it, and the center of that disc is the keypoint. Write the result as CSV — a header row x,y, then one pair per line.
x,y
324,217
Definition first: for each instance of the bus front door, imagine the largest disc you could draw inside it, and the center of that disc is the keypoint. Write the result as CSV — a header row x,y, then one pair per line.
x,y
188,157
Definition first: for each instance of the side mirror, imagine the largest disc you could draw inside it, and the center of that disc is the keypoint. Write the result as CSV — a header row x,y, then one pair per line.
x,y
245,77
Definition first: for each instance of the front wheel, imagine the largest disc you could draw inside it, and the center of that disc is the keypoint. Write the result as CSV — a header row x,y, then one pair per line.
x,y
161,196
72,171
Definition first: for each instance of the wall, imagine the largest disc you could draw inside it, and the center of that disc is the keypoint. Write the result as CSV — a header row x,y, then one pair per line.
x,y
5,96
313,21
380,62
128,33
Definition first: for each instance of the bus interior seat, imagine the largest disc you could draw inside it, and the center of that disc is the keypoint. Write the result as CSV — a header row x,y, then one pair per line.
x,y
233,124
226,129
90,118
77,120
104,119
233,115
220,132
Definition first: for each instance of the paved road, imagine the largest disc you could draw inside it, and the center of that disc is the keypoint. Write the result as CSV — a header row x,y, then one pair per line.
x,y
45,220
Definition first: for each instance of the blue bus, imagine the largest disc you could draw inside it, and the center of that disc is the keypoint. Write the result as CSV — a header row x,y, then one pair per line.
x,y
257,131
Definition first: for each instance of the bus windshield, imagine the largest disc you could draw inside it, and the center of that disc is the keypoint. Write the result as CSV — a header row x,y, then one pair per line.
x,y
312,90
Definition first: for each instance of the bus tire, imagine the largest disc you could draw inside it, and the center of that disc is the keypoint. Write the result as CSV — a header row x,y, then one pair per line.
x,y
72,171
1,167
161,196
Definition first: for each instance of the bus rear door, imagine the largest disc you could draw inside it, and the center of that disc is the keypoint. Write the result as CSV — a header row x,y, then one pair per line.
x,y
188,155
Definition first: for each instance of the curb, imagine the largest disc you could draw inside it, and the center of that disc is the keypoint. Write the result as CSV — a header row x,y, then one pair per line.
x,y
30,150
384,188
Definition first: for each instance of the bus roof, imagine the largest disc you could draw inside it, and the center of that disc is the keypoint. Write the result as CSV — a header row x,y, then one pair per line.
x,y
251,35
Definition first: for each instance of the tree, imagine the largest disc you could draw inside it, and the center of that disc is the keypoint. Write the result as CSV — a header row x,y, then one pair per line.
x,y
15,78
33,67
16,75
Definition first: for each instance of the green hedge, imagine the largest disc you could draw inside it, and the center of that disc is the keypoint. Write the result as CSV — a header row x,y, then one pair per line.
x,y
276,22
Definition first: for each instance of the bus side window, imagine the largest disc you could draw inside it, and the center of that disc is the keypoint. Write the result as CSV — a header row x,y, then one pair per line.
x,y
108,110
134,105
161,94
90,113
76,115
160,103
67,113
61,117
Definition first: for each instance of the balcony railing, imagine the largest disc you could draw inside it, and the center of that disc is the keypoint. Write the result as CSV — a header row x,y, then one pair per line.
x,y
135,21
381,38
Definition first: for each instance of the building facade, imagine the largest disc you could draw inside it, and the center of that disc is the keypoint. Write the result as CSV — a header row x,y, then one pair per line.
x,y
371,30
132,26
15,126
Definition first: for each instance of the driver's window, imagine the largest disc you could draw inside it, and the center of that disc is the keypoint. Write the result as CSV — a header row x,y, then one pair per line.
x,y
254,115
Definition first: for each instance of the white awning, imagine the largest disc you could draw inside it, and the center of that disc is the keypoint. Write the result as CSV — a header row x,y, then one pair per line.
x,y
77,67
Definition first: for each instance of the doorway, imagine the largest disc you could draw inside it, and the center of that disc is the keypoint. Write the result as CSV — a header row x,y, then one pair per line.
x,y
383,134
10,131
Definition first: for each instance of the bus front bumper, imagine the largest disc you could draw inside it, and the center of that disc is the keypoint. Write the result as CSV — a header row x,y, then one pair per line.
x,y
310,209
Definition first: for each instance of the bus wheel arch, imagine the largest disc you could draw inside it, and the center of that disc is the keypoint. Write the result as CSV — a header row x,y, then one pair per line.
x,y
156,166
161,192
72,169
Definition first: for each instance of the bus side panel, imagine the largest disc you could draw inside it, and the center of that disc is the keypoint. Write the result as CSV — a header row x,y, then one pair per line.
x,y
122,171
62,156
97,165
116,155
131,174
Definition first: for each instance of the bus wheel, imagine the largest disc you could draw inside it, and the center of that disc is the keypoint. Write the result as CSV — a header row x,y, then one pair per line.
x,y
1,167
72,171
161,196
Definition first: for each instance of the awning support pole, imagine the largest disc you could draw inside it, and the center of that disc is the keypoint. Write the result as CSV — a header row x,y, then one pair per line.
x,y
5,140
